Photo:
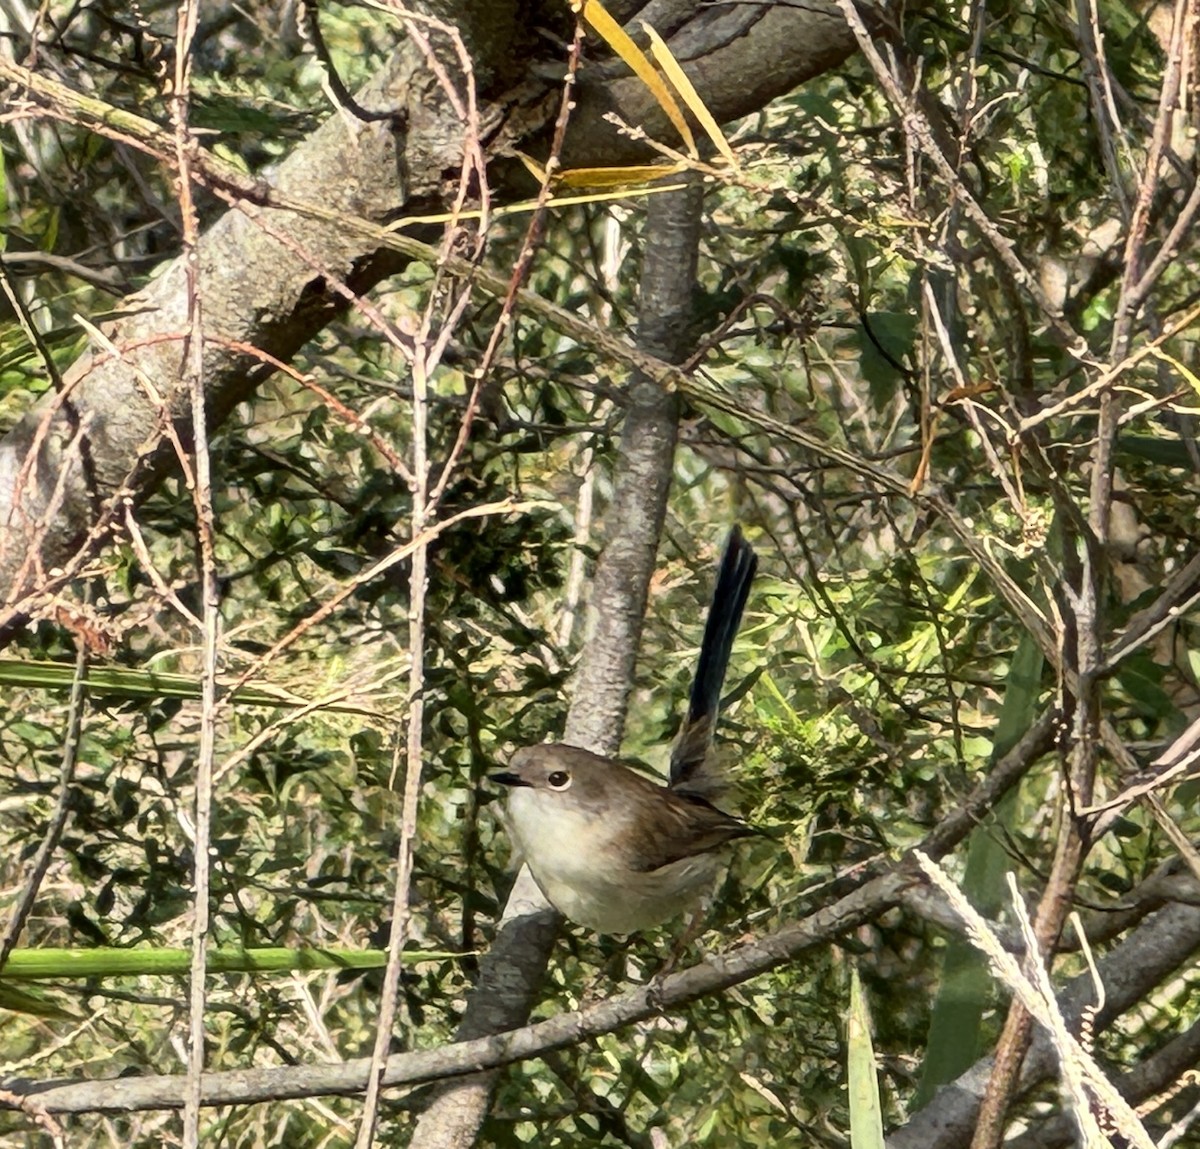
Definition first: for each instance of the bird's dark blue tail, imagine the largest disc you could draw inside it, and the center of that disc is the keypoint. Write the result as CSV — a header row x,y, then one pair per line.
x,y
734,576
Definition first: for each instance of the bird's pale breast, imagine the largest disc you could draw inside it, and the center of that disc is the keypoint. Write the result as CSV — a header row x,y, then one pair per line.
x,y
577,858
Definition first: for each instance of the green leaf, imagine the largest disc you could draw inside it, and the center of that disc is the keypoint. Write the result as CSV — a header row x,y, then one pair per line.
x,y
1141,679
123,683
866,1112
35,1004
30,964
1164,452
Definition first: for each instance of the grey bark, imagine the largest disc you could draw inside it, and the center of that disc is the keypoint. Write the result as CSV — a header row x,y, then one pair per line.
x,y
644,469
1145,959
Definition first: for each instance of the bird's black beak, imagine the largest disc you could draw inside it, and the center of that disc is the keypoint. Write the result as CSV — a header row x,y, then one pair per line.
x,y
507,778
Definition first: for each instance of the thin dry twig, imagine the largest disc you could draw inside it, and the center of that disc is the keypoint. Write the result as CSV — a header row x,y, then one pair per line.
x,y
427,352
999,472
1096,73
351,417
30,1107
193,374
524,262
916,128
142,551
418,586
368,575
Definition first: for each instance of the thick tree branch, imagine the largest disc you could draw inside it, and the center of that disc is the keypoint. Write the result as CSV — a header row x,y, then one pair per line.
x,y
275,280
715,973
1145,959
1148,956
514,983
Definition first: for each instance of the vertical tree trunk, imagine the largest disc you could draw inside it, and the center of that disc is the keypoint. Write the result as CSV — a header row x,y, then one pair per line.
x,y
510,973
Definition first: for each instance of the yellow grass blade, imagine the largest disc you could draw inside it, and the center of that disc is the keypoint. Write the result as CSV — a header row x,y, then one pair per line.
x,y
617,191
1190,376
615,177
532,167
678,77
618,40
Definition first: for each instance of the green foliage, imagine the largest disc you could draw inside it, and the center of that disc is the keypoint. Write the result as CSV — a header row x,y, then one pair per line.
x,y
872,683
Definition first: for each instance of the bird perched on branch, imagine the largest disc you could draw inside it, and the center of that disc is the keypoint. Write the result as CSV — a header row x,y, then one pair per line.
x,y
611,849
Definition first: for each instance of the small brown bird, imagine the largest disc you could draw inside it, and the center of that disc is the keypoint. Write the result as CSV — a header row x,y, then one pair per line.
x,y
609,848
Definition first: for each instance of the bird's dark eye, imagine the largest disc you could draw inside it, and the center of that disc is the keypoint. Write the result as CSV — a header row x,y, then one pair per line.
x,y
559,780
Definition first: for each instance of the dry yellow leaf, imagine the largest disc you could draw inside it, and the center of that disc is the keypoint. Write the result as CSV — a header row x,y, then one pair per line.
x,y
678,77
618,40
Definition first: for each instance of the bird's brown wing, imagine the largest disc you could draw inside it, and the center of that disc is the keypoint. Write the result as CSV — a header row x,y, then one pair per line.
x,y
685,826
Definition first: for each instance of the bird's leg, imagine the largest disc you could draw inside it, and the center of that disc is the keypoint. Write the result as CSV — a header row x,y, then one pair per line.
x,y
691,932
